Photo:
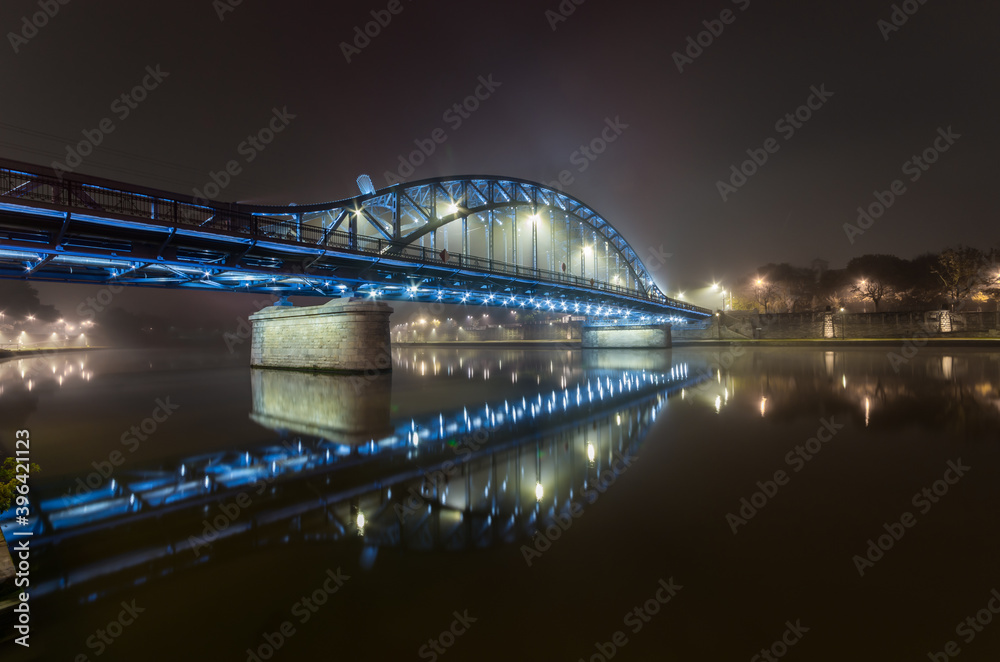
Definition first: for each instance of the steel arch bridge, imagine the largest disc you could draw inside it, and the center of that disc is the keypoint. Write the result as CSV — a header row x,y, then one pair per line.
x,y
472,239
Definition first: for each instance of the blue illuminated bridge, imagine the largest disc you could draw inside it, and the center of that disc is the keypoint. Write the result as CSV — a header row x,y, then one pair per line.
x,y
475,239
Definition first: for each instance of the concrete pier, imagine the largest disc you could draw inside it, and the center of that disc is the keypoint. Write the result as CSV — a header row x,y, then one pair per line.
x,y
344,335
640,336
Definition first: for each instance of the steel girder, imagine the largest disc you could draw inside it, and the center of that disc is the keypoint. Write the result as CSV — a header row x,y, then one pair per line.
x,y
84,229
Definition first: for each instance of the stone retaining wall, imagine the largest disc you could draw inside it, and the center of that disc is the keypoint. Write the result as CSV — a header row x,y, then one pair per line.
x,y
746,325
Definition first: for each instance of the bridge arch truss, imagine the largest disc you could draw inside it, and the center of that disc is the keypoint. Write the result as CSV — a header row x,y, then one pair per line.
x,y
470,239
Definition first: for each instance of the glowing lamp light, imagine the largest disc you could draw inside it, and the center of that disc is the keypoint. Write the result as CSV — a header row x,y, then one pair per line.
x,y
539,491
591,453
361,520
452,208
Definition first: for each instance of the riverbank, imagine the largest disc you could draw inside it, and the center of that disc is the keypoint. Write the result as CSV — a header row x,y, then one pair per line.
x,y
6,354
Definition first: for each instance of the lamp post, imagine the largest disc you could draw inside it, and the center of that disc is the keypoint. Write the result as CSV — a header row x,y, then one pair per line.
x,y
759,292
717,286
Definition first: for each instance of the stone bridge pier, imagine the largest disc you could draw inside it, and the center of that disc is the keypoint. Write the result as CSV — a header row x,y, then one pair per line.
x,y
343,336
639,336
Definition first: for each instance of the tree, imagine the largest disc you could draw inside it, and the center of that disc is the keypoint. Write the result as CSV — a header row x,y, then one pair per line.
x,y
18,299
876,277
764,291
9,482
991,280
920,287
832,288
785,286
961,271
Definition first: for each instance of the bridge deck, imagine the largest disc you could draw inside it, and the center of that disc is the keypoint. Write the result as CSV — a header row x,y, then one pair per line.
x,y
85,230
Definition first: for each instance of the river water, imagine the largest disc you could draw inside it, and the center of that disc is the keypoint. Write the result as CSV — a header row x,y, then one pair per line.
x,y
488,504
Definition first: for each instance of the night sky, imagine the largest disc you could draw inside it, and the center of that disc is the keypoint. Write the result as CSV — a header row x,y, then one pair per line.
x,y
558,82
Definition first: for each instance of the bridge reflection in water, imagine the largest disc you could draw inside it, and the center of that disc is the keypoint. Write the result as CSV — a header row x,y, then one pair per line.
x,y
459,478
452,480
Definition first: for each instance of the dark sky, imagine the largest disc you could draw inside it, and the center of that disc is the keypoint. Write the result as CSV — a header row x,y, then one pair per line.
x,y
607,61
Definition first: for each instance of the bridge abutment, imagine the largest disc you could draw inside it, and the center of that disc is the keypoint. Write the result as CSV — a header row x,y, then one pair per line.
x,y
344,335
640,336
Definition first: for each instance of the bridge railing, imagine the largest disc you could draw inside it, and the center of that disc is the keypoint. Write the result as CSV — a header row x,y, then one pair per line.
x,y
17,185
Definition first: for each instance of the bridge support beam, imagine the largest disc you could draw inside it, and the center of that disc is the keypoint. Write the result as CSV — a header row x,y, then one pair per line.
x,y
344,335
644,336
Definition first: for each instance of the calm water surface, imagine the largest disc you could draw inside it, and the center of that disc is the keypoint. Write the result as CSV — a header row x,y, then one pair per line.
x,y
543,493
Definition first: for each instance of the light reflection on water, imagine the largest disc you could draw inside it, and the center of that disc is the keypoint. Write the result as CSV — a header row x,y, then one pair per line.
x,y
457,449
345,464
